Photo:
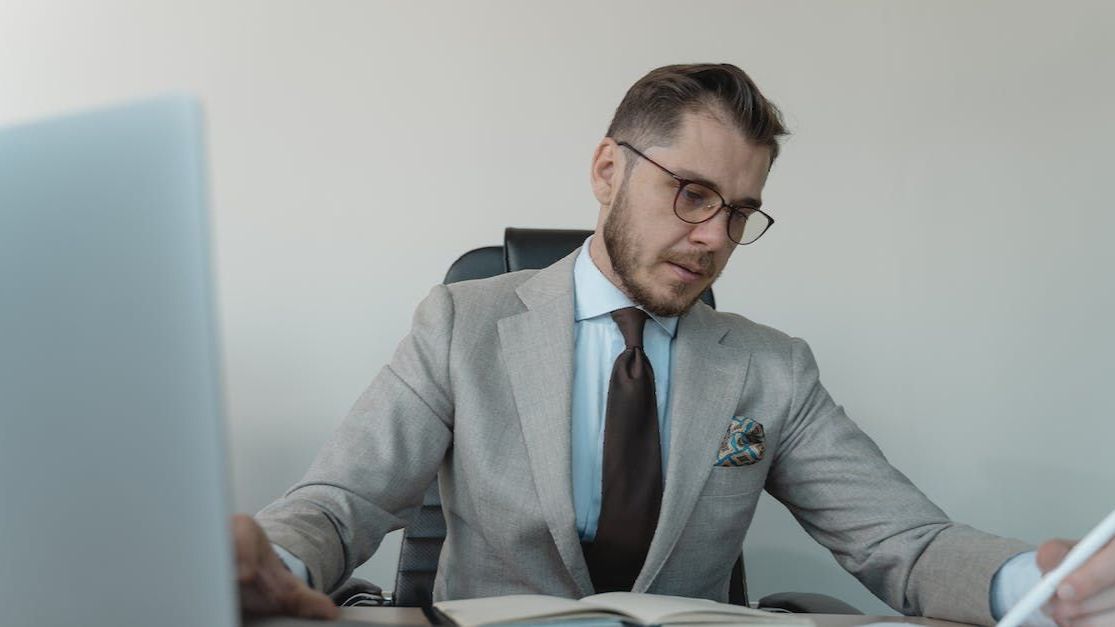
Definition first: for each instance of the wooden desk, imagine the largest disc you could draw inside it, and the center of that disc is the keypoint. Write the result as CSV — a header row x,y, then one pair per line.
x,y
412,616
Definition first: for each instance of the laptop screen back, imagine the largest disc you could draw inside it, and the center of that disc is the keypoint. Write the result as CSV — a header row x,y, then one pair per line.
x,y
113,498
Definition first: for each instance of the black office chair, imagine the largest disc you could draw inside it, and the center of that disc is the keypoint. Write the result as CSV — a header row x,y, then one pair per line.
x,y
523,249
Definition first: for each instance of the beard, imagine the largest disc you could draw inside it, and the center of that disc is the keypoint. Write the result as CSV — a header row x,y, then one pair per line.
x,y
623,250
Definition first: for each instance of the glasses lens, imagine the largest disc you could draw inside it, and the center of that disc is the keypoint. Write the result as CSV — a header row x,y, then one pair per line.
x,y
745,228
696,203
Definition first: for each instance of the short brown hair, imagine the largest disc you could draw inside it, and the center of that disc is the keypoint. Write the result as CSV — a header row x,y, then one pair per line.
x,y
652,108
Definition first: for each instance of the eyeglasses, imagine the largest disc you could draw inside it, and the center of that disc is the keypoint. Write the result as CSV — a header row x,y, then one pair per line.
x,y
696,203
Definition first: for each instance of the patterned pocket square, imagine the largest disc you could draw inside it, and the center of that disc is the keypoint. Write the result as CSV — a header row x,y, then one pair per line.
x,y
743,444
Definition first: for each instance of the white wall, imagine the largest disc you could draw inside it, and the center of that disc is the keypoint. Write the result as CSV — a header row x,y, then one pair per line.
x,y
944,216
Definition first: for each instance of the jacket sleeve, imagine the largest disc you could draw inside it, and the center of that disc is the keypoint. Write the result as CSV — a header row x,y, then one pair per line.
x,y
877,524
369,477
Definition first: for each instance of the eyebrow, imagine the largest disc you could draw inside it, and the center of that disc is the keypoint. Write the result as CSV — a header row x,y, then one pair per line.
x,y
689,175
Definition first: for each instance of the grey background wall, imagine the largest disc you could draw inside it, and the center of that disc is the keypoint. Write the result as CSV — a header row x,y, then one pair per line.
x,y
944,216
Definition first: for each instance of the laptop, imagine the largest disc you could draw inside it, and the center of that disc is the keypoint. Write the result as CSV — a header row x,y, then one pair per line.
x,y
114,503
113,496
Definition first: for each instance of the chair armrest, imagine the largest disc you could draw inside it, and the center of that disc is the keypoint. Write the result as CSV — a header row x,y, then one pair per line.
x,y
806,602
358,592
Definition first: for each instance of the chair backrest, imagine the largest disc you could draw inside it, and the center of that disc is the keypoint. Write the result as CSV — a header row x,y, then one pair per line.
x,y
523,249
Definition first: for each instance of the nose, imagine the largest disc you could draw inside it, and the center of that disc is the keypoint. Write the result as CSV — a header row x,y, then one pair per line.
x,y
713,233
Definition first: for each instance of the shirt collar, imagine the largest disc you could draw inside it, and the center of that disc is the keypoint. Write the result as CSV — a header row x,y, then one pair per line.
x,y
594,295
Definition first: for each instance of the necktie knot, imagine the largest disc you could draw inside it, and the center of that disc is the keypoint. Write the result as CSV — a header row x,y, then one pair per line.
x,y
631,321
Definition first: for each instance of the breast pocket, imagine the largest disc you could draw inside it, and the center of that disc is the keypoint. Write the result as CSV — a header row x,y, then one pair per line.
x,y
719,522
725,481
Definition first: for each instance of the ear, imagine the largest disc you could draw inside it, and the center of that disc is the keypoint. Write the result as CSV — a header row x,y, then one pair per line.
x,y
607,170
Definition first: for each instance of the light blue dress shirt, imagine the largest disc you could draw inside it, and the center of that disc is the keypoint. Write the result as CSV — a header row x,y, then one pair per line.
x,y
1011,582
597,343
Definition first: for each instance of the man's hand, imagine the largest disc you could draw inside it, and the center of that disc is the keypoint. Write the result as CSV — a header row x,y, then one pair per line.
x,y
266,586
1086,598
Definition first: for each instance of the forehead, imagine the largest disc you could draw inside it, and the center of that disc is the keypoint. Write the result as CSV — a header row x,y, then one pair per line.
x,y
707,148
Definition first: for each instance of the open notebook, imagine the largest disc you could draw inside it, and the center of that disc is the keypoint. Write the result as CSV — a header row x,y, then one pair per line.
x,y
610,608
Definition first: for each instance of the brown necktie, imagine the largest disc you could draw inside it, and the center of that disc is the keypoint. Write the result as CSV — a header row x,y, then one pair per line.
x,y
632,483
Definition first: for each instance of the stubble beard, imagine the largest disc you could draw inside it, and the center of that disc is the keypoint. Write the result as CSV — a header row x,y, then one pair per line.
x,y
623,251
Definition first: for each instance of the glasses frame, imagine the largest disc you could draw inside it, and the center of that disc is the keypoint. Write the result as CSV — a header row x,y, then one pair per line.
x,y
732,209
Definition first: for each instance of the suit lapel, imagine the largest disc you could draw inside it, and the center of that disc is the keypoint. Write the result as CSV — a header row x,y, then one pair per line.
x,y
537,348
705,385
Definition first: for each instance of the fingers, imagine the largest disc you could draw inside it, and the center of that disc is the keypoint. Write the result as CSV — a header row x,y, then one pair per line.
x,y
292,597
1103,601
1095,576
310,603
1103,619
274,590
1051,553
245,540
1086,597
265,585
1098,604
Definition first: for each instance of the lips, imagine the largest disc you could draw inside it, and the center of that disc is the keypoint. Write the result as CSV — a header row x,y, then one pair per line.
x,y
685,274
692,268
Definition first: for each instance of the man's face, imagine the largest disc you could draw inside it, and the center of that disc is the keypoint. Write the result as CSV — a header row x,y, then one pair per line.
x,y
659,261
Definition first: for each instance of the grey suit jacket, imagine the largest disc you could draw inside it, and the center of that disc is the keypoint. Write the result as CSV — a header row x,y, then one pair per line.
x,y
480,390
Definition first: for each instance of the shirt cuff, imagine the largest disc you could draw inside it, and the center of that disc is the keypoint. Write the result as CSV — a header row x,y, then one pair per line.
x,y
293,564
1012,581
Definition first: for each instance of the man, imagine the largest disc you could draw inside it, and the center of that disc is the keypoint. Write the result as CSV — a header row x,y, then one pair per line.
x,y
595,427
